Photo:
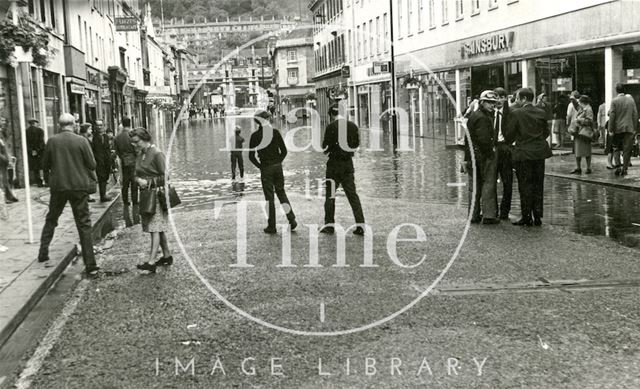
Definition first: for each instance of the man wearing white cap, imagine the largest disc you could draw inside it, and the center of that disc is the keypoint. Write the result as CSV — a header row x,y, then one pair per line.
x,y
484,174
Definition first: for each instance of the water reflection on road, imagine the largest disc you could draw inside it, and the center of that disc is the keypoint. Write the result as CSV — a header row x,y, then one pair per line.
x,y
428,174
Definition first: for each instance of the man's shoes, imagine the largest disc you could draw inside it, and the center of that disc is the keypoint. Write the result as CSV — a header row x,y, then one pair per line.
x,y
327,230
164,261
610,167
490,220
476,220
43,259
293,224
504,216
618,172
576,171
91,200
10,200
358,231
588,171
523,222
537,222
147,266
623,172
105,199
92,271
270,230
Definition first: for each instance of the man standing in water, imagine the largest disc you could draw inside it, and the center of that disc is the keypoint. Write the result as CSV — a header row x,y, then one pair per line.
x,y
270,160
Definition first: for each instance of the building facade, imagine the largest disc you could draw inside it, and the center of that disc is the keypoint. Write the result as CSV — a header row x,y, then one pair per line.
x,y
456,48
293,61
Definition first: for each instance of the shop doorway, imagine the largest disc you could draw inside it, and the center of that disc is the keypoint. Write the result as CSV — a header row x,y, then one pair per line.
x,y
590,76
486,77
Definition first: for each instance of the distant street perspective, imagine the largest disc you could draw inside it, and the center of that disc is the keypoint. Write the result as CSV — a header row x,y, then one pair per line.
x,y
319,194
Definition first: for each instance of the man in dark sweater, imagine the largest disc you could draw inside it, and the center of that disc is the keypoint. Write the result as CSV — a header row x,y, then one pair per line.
x,y
270,155
127,154
102,154
340,169
35,147
69,160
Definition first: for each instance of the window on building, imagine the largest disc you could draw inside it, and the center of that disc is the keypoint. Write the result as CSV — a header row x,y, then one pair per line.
x,y
420,13
445,11
365,40
53,14
400,20
371,52
432,14
459,9
378,34
292,55
43,11
80,33
409,16
31,7
359,43
385,36
475,7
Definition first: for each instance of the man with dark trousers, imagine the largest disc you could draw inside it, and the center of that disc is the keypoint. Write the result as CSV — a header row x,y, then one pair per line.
x,y
481,132
527,127
623,124
127,154
340,169
271,151
35,147
503,152
69,160
102,154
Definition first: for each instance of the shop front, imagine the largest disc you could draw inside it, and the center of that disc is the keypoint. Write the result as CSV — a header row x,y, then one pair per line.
x,y
330,88
117,80
140,107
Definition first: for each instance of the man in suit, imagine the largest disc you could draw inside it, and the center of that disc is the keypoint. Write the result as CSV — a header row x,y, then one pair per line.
x,y
484,174
527,126
35,148
623,124
340,169
69,160
503,152
102,154
270,155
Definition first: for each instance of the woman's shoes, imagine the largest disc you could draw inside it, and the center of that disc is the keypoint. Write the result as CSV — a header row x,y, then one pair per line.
x,y
147,266
164,261
577,171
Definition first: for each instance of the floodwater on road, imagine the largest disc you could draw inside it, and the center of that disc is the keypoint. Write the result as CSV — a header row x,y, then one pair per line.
x,y
430,173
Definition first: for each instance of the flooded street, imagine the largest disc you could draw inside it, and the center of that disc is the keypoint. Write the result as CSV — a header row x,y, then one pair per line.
x,y
429,174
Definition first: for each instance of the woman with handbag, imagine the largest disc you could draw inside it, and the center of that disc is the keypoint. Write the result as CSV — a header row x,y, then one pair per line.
x,y
583,134
150,171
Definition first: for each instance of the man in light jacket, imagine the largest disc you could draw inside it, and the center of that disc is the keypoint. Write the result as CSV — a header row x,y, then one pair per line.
x,y
69,160
623,124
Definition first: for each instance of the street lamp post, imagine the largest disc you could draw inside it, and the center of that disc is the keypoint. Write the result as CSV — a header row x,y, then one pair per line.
x,y
394,121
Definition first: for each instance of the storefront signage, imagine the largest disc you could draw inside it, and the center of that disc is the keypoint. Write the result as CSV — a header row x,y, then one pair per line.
x,y
76,89
488,44
126,23
345,71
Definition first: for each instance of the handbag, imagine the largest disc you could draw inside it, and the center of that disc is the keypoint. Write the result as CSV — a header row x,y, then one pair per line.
x,y
174,199
586,133
148,199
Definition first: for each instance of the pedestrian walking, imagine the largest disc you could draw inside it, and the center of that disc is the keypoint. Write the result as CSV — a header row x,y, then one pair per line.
x,y
126,152
559,124
623,124
584,135
484,175
5,161
236,155
68,159
86,131
527,127
601,121
340,170
503,152
35,148
269,161
150,175
102,154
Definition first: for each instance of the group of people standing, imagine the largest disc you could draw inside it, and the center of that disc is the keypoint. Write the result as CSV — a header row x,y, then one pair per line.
x,y
73,162
504,138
